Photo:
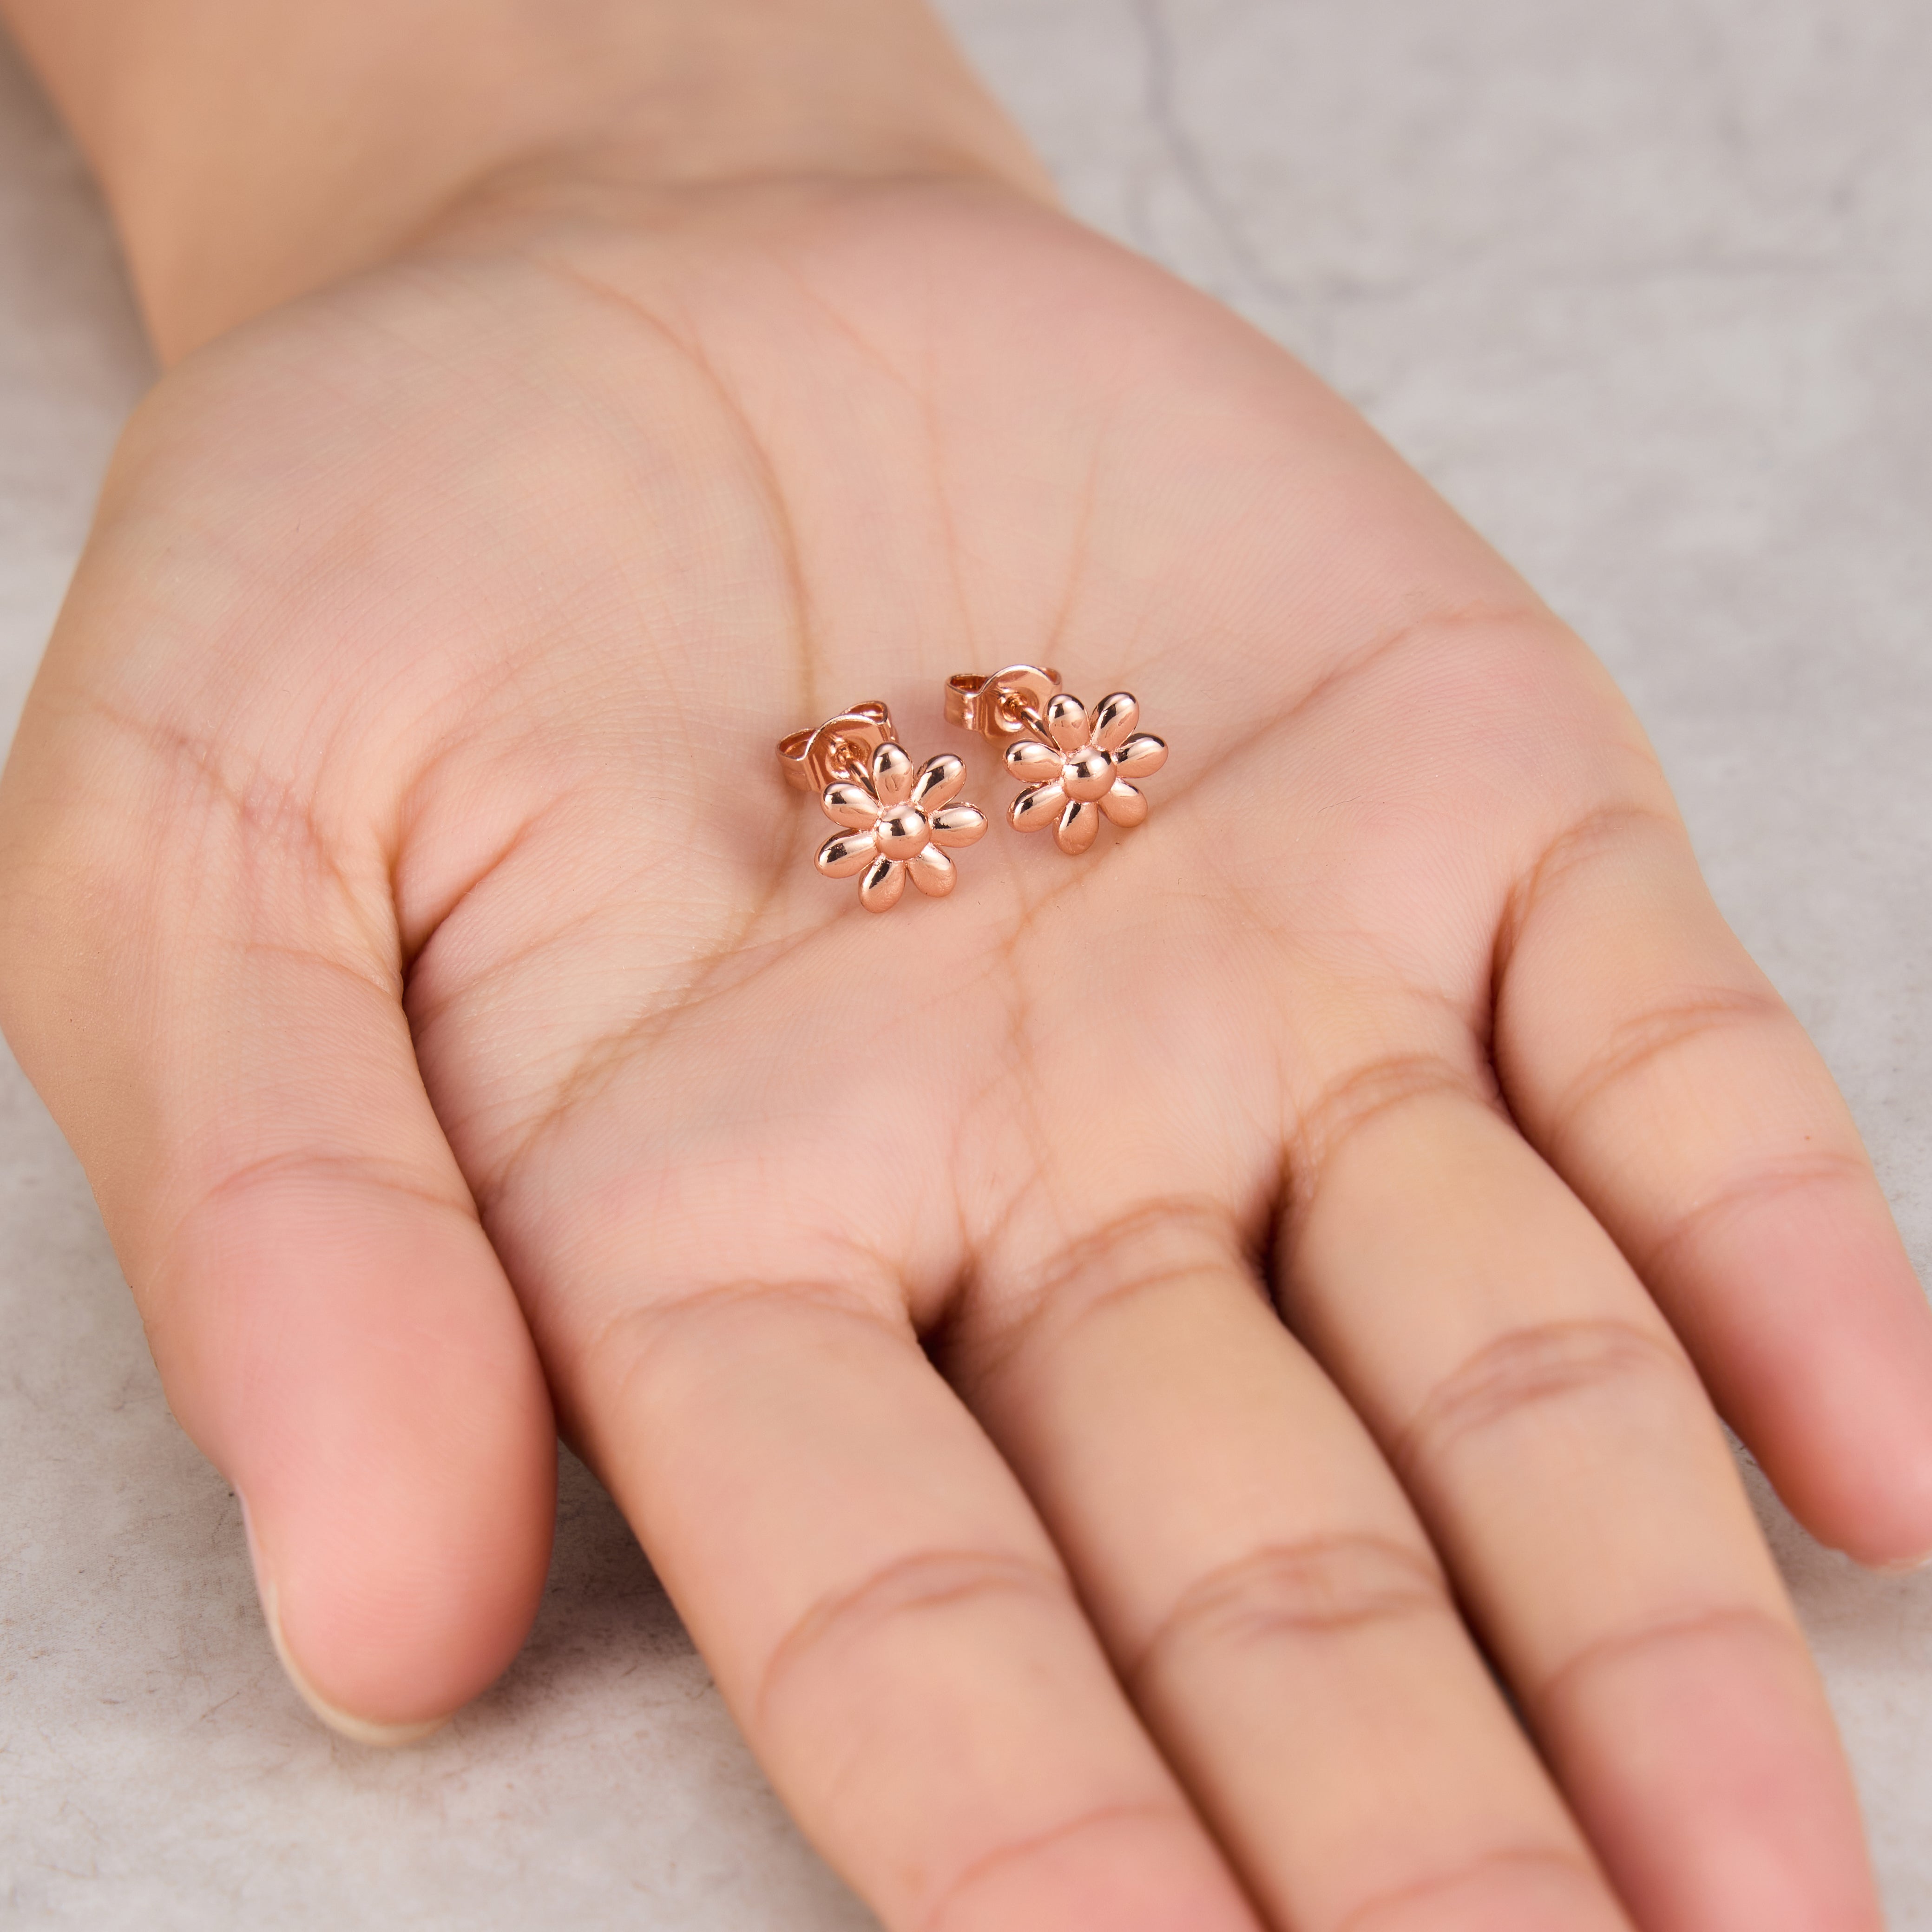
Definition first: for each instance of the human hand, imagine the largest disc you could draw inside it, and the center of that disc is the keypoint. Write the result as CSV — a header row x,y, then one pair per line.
x,y
407,921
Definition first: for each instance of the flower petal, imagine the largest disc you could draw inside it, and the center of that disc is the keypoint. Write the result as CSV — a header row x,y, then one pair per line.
x,y
845,852
1036,808
1125,806
957,825
1067,722
848,804
1140,758
879,890
1032,762
1113,718
934,873
891,774
938,782
1077,825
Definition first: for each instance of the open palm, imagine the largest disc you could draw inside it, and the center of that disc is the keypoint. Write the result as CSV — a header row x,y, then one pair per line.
x,y
1092,1356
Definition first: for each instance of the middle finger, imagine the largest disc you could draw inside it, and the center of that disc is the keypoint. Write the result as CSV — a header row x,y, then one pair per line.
x,y
1569,1467
1266,1593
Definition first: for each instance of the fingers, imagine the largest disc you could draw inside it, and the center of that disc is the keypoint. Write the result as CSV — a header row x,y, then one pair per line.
x,y
1651,1063
1269,1598
1570,1470
195,997
888,1622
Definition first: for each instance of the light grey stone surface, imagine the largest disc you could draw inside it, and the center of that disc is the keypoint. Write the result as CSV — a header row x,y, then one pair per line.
x,y
1647,289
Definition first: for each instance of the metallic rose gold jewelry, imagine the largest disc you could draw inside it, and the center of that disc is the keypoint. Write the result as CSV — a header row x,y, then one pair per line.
x,y
899,821
1074,763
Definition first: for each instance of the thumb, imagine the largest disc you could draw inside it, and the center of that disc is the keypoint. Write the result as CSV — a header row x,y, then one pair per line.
x,y
206,990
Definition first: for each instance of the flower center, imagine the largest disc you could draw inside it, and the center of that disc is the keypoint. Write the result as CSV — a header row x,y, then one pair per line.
x,y
1088,775
902,832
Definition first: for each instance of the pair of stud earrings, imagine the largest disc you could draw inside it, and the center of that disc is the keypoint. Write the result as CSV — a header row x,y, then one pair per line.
x,y
898,821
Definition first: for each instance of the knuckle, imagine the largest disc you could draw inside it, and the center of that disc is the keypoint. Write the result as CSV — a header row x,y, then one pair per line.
x,y
898,1592
1015,1853
1154,1245
1772,1180
1392,1083
1571,853
1312,1589
1637,1642
1643,1043
1498,1871
1528,1368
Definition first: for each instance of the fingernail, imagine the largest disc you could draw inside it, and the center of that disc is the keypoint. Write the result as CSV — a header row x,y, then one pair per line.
x,y
361,1730
1904,1566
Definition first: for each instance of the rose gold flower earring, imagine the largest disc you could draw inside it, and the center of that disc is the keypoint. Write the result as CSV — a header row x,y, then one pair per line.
x,y
899,821
1075,764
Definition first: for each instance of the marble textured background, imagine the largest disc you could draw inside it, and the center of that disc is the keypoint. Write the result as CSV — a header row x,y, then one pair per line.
x,y
1647,290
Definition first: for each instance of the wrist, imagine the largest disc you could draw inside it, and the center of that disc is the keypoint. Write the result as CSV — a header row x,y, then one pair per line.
x,y
252,150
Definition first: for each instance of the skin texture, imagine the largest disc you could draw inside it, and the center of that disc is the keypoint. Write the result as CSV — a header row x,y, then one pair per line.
x,y
1092,1357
